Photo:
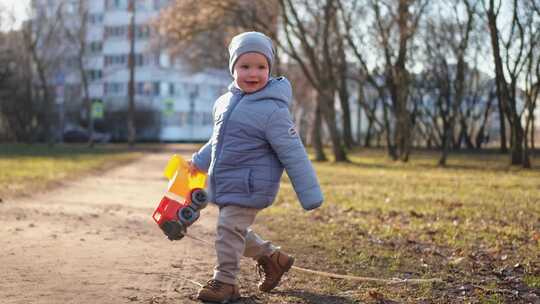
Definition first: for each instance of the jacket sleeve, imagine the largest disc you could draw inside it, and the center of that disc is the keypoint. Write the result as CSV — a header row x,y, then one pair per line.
x,y
201,158
285,141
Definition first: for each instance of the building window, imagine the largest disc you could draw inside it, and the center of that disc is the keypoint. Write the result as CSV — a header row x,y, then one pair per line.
x,y
95,18
115,89
116,60
94,74
116,31
117,4
147,88
95,47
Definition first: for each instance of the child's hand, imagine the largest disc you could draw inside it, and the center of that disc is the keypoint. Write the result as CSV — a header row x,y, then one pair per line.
x,y
192,168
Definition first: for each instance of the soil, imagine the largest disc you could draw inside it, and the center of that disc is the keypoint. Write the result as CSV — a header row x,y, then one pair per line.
x,y
92,240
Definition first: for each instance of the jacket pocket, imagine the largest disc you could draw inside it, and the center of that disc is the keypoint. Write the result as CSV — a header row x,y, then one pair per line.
x,y
233,181
265,187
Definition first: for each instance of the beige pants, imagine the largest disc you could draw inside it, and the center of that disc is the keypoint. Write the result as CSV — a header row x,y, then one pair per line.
x,y
235,239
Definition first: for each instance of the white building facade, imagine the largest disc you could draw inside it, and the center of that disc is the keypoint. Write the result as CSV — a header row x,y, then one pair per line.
x,y
172,104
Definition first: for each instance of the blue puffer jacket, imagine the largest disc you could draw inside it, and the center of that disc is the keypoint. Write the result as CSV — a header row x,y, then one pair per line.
x,y
253,140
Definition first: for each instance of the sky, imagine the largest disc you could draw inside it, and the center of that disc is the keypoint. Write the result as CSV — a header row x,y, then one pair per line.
x,y
19,9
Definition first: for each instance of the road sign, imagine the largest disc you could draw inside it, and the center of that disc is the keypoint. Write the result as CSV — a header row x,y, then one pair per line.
x,y
97,109
168,107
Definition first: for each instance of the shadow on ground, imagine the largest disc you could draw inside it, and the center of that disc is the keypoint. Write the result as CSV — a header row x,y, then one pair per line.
x,y
300,296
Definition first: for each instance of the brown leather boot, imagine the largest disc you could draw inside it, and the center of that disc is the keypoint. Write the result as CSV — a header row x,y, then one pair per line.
x,y
271,268
219,292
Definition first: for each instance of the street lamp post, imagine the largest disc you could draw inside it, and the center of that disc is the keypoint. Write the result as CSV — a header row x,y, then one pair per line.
x,y
131,84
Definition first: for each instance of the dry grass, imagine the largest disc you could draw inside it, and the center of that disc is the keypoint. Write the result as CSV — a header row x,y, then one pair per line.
x,y
25,169
474,224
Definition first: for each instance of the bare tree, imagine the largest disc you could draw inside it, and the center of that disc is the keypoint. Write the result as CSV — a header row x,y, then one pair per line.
x,y
511,50
447,41
401,17
18,112
394,26
531,75
76,32
310,41
42,40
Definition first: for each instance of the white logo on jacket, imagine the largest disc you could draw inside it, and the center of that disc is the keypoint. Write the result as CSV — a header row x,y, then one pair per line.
x,y
292,131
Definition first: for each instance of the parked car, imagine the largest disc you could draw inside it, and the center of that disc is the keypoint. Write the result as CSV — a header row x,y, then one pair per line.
x,y
77,134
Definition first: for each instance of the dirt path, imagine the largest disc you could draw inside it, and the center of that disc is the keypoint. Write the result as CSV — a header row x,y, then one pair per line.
x,y
93,241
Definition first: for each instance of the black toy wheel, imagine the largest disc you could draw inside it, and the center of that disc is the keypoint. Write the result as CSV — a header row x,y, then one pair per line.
x,y
188,216
199,199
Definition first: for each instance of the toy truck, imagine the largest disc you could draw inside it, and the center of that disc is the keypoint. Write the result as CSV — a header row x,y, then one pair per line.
x,y
185,197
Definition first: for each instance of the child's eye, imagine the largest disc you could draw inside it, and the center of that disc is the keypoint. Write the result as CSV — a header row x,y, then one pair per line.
x,y
245,66
262,67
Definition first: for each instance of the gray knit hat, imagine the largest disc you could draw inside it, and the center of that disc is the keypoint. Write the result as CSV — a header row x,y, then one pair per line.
x,y
250,42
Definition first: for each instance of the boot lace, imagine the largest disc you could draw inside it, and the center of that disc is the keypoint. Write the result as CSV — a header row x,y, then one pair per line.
x,y
263,269
214,285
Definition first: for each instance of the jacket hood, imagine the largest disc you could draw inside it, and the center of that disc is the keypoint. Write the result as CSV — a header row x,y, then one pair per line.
x,y
277,89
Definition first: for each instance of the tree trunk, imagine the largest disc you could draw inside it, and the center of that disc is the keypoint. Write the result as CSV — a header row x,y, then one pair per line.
x,y
327,108
347,130
81,37
517,143
359,126
361,100
402,124
344,100
367,139
526,151
445,144
390,146
502,129
47,101
481,136
466,137
316,136
533,130
500,81
87,102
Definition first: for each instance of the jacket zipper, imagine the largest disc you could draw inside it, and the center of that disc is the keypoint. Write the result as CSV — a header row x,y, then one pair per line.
x,y
220,142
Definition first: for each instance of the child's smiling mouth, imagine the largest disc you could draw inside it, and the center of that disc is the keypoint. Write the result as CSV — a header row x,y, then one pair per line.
x,y
251,83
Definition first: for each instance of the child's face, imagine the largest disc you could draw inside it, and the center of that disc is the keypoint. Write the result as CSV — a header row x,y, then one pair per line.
x,y
251,72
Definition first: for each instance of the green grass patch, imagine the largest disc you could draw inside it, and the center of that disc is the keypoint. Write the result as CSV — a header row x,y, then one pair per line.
x,y
27,168
474,224
532,281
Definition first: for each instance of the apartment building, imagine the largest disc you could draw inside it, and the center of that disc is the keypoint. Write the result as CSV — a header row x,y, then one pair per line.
x,y
172,103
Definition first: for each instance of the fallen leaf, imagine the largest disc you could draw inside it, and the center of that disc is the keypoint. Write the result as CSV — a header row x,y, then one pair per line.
x,y
376,295
457,261
416,214
536,236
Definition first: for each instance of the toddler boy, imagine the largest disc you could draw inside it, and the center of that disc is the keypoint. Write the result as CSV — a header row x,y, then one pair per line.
x,y
253,141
